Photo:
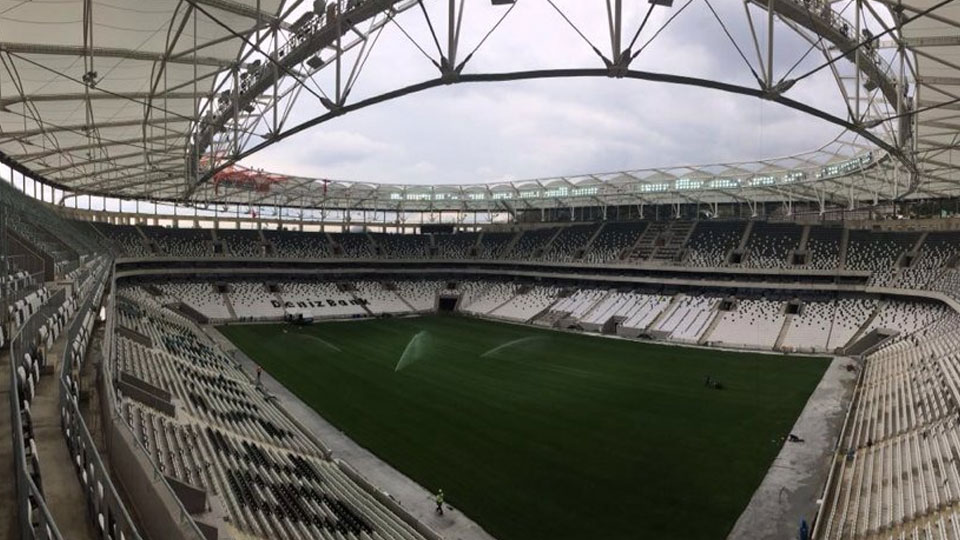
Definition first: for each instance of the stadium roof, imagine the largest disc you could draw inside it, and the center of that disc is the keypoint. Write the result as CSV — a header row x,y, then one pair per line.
x,y
934,43
102,95
147,99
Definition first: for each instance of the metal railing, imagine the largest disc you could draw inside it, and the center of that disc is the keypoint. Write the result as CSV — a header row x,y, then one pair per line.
x,y
187,527
10,294
105,507
34,518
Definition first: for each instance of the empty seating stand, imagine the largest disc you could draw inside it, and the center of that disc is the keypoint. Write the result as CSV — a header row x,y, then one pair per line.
x,y
175,242
897,471
299,245
241,243
492,244
531,244
235,444
879,253
614,239
455,245
570,243
823,247
712,242
771,244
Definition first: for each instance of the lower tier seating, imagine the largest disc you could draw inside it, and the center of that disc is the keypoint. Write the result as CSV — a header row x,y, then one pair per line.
x,y
222,435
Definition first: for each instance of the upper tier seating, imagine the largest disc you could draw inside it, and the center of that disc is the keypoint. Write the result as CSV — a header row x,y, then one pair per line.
x,y
181,242
615,237
936,251
41,239
569,243
712,241
403,246
947,282
241,243
47,226
455,246
127,238
354,245
299,245
14,287
770,244
823,247
492,244
710,244
531,243
17,312
878,252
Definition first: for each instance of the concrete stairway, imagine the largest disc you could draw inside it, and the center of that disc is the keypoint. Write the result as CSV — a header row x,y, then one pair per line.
x,y
546,247
647,242
586,247
705,336
675,239
665,312
866,324
746,235
844,243
804,238
226,302
62,489
782,335
508,249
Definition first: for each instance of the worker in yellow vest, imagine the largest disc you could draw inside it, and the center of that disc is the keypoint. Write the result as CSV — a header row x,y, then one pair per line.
x,y
439,500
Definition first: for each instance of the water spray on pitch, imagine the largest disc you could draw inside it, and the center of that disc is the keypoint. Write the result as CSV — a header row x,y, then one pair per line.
x,y
414,350
514,343
323,342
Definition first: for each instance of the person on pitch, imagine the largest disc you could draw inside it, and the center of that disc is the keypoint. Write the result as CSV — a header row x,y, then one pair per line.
x,y
439,500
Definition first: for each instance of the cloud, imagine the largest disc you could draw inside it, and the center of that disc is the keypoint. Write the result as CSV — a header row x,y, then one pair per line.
x,y
537,128
321,149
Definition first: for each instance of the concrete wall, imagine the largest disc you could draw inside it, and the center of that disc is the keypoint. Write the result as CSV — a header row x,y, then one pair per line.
x,y
157,512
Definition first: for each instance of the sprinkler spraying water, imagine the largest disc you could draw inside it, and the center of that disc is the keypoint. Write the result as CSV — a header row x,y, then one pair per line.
x,y
323,342
514,343
414,350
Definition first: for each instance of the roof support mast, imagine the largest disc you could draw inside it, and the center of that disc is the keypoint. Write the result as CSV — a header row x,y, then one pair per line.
x,y
769,74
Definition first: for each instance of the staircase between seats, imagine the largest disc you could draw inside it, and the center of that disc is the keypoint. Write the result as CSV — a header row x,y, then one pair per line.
x,y
675,239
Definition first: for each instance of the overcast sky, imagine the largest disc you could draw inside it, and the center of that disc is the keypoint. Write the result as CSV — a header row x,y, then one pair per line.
x,y
494,131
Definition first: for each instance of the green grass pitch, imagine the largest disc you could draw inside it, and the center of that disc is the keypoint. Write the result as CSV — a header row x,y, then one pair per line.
x,y
557,436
